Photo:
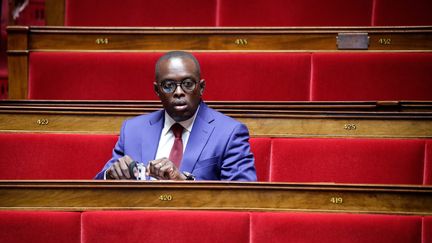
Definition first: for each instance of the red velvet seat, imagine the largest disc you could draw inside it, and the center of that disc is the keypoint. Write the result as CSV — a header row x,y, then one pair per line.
x,y
91,76
315,227
73,156
44,227
344,160
237,76
402,12
260,148
295,13
255,76
428,164
371,76
140,13
3,86
53,156
165,226
247,13
130,76
427,229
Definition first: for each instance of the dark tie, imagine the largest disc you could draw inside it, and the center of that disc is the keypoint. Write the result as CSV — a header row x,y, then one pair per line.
x,y
176,153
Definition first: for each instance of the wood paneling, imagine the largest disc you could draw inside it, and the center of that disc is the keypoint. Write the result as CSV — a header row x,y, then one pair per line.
x,y
109,195
18,75
18,64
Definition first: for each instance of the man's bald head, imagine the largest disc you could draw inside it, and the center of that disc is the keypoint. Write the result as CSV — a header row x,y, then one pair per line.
x,y
177,54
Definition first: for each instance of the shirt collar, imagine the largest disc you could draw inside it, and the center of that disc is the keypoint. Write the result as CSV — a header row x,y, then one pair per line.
x,y
187,124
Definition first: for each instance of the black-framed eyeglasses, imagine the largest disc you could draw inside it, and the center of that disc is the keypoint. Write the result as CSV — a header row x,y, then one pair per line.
x,y
169,86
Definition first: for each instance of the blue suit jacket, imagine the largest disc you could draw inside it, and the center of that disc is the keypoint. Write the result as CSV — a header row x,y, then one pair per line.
x,y
217,149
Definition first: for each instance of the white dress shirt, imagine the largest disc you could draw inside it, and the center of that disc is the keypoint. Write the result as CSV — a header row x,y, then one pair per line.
x,y
166,140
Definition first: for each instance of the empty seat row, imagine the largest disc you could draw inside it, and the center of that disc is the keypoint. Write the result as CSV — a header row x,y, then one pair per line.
x,y
205,226
330,160
237,76
245,13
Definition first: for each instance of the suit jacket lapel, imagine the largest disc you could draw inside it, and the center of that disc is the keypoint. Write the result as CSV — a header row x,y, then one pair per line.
x,y
151,136
198,138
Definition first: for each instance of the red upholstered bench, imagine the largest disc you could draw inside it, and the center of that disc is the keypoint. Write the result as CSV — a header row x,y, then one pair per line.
x,y
427,229
295,13
315,227
204,226
53,156
237,76
43,227
428,164
165,226
344,160
130,76
247,13
261,148
77,156
140,13
402,12
91,76
371,76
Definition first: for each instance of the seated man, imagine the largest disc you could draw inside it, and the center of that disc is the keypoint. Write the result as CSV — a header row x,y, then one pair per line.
x,y
185,141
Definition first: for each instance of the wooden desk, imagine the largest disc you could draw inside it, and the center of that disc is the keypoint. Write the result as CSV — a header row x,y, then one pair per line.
x,y
408,119
52,38
156,195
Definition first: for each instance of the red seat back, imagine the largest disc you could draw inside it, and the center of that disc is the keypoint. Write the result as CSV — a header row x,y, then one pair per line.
x,y
295,13
402,12
91,76
427,229
428,164
377,161
130,76
43,227
255,76
371,76
140,13
260,148
53,156
165,226
330,228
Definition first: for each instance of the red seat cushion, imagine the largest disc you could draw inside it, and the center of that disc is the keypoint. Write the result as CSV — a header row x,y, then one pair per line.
x,y
402,12
3,87
427,229
380,161
314,227
260,148
165,226
295,13
255,76
46,227
428,164
140,13
53,156
371,76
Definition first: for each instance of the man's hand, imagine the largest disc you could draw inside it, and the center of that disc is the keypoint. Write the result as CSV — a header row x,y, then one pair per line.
x,y
164,169
119,170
